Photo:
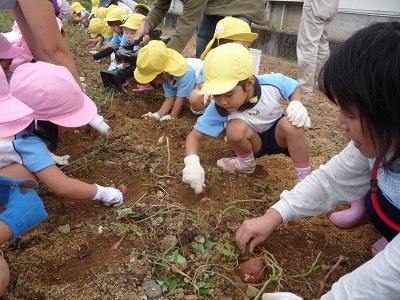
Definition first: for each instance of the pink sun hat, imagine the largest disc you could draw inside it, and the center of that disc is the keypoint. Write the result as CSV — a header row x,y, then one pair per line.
x,y
8,51
53,94
11,109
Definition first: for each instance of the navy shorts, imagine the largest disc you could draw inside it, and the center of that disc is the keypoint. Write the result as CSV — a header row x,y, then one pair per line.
x,y
269,145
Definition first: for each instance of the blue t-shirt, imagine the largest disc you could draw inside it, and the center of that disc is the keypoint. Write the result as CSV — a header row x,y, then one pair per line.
x,y
119,40
181,86
25,149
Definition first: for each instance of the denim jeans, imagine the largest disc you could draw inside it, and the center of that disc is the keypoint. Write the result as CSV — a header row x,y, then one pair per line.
x,y
206,29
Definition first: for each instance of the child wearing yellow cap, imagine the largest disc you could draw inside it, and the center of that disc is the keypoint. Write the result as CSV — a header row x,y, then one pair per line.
x,y
142,9
158,64
130,27
228,30
248,108
100,32
81,14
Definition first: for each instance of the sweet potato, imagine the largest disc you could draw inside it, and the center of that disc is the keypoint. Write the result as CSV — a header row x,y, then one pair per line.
x,y
123,188
251,271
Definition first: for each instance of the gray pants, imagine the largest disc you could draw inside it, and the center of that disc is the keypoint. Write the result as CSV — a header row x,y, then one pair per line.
x,y
312,43
65,11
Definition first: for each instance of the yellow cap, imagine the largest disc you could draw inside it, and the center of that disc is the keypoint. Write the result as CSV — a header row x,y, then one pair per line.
x,y
232,29
77,7
116,14
95,3
224,67
98,26
155,58
139,5
134,21
112,6
101,12
94,10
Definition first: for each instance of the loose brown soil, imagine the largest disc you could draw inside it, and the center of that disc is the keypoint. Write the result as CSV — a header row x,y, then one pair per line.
x,y
166,216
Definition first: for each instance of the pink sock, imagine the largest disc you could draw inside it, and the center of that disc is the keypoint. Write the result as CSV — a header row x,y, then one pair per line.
x,y
302,169
247,158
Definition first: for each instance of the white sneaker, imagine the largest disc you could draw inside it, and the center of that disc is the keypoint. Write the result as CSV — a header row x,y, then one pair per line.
x,y
307,94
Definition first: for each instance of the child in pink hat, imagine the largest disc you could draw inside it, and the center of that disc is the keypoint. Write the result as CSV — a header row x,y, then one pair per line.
x,y
7,53
58,104
27,56
22,210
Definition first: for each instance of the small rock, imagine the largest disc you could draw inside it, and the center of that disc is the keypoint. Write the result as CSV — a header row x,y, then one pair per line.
x,y
100,230
64,229
20,288
151,288
167,241
127,139
251,291
76,131
109,163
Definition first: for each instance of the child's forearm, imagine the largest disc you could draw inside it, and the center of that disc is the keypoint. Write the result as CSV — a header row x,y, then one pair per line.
x,y
193,142
5,232
166,106
296,95
177,107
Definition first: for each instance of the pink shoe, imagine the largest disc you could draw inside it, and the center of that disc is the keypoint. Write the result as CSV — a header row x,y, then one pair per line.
x,y
234,164
348,218
378,246
144,87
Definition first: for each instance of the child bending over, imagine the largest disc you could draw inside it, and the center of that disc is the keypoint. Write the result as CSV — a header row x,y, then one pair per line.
x,y
81,14
158,64
248,108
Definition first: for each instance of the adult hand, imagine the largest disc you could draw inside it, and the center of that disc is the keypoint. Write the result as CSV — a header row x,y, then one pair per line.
x,y
108,196
142,32
280,296
254,231
193,173
297,114
23,211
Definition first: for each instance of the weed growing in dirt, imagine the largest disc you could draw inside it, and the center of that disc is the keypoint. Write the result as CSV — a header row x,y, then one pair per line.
x,y
316,149
264,188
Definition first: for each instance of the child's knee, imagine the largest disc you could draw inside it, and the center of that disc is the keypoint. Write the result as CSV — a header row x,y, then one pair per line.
x,y
4,276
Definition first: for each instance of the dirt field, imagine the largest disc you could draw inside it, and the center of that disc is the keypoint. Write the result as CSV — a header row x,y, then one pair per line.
x,y
162,224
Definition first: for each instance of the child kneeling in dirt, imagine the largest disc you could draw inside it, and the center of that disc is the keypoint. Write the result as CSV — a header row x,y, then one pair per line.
x,y
19,209
158,64
228,30
57,103
248,108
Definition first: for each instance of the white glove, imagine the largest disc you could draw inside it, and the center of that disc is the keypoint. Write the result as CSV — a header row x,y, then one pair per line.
x,y
60,160
109,196
99,124
193,173
167,118
280,296
297,114
150,115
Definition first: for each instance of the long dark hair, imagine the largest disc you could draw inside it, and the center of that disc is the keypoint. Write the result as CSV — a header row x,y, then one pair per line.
x,y
364,75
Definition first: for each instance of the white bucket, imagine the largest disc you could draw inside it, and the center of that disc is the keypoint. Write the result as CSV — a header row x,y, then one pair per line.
x,y
257,59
